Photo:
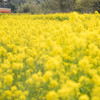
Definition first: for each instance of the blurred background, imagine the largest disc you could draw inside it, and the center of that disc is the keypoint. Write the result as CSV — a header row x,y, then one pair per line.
x,y
51,6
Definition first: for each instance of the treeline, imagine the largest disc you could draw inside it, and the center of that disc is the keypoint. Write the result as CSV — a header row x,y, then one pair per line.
x,y
52,6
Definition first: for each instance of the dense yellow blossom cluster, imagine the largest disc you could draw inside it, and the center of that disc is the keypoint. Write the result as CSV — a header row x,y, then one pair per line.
x,y
50,57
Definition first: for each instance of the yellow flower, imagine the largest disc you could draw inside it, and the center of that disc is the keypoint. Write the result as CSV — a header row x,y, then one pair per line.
x,y
53,83
30,61
56,50
7,94
5,66
13,88
8,79
96,79
36,79
83,97
2,51
84,64
0,70
52,63
47,75
22,97
52,95
29,81
84,79
96,12
0,84
69,90
93,49
96,93
18,93
17,66
95,98
43,58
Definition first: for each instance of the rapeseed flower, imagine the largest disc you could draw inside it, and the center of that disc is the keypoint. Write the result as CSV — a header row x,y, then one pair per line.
x,y
8,79
50,57
83,97
52,95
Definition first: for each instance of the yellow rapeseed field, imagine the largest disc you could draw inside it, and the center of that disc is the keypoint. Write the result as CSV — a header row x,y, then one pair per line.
x,y
50,57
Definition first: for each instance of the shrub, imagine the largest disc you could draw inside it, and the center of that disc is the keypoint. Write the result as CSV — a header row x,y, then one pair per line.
x,y
87,5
